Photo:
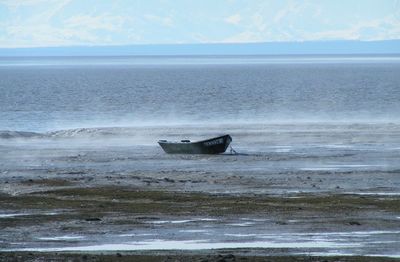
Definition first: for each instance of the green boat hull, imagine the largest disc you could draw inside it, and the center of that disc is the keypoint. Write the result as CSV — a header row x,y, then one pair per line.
x,y
215,145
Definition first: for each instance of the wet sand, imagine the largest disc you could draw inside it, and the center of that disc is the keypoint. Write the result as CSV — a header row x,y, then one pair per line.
x,y
298,192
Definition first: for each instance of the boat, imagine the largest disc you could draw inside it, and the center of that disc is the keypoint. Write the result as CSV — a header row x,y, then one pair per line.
x,y
214,145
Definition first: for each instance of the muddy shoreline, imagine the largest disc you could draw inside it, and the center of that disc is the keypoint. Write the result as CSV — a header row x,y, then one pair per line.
x,y
65,218
211,256
318,193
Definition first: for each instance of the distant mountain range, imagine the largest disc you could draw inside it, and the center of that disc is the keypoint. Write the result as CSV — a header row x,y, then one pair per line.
x,y
271,48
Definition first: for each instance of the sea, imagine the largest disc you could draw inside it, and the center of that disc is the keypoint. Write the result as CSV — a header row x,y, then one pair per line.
x,y
302,126
41,94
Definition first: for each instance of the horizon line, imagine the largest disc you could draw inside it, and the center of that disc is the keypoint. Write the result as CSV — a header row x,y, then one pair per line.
x,y
333,47
200,44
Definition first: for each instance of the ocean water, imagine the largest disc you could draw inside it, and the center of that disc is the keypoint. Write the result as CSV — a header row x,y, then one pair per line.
x,y
302,126
48,94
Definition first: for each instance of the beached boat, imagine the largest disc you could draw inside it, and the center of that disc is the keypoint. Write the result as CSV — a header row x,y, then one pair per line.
x,y
215,145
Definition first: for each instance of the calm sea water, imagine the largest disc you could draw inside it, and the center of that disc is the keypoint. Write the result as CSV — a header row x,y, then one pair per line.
x,y
44,94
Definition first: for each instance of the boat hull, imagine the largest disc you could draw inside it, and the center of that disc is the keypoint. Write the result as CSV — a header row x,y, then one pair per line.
x,y
215,145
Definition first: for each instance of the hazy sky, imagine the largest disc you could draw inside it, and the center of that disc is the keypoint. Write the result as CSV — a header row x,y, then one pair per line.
x,y
31,23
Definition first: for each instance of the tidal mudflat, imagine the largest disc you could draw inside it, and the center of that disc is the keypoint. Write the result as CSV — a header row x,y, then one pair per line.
x,y
293,191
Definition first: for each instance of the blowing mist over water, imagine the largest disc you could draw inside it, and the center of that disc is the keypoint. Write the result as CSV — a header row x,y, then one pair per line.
x,y
47,94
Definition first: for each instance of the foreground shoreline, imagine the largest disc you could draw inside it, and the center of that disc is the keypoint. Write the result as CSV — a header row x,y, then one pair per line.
x,y
210,256
93,220
296,193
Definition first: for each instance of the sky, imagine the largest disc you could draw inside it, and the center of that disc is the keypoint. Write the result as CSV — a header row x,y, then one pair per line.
x,y
44,23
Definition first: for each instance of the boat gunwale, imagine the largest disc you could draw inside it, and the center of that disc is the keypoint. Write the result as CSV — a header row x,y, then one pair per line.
x,y
194,142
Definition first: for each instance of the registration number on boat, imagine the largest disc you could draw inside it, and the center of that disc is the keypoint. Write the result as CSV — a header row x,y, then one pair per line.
x,y
214,142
